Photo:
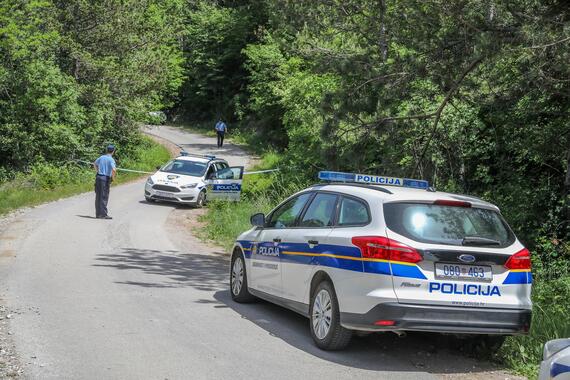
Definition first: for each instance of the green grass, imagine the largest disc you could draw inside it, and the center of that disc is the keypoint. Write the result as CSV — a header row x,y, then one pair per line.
x,y
551,308
224,221
47,183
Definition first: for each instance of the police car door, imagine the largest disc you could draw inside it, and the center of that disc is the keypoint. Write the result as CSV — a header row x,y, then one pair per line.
x,y
225,184
266,251
305,243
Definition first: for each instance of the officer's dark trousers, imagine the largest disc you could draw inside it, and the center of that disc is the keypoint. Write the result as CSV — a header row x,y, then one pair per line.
x,y
102,186
220,139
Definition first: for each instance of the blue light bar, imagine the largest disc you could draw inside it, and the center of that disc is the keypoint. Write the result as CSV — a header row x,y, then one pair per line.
x,y
372,179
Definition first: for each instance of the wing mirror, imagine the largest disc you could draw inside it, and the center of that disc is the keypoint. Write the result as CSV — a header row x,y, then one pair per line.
x,y
257,220
158,167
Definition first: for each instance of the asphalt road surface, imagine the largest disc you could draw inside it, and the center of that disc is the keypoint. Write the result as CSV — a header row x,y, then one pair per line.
x,y
138,297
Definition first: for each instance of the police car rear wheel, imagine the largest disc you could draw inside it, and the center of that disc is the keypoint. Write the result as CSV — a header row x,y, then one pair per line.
x,y
326,330
238,280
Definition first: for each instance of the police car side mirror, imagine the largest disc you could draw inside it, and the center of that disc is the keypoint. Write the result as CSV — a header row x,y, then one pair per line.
x,y
258,220
158,167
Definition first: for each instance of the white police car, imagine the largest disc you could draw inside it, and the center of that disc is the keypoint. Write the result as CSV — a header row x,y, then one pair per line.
x,y
386,254
556,360
192,178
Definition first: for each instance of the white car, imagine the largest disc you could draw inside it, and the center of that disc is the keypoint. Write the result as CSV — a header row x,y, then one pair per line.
x,y
192,179
556,360
386,254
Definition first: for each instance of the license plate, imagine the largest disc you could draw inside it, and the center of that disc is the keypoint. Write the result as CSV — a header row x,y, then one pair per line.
x,y
165,194
463,272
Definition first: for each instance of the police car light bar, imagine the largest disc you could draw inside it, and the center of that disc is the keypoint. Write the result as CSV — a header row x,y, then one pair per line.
x,y
186,154
373,179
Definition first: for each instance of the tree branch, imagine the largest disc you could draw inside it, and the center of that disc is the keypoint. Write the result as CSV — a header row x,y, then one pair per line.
x,y
441,107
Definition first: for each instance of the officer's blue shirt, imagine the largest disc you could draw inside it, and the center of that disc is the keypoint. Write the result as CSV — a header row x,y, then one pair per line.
x,y
105,165
220,126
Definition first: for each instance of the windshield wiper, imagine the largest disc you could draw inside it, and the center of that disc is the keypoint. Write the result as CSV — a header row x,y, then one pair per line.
x,y
477,240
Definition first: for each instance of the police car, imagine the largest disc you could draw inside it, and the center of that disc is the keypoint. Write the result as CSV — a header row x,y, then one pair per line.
x,y
556,360
372,254
192,179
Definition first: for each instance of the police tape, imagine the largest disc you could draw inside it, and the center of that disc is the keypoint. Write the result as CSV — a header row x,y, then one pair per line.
x,y
261,171
143,172
121,169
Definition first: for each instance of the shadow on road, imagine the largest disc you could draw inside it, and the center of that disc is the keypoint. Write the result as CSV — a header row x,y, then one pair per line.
x,y
229,149
203,272
422,352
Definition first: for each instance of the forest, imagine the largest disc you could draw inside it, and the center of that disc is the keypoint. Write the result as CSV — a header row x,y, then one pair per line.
x,y
471,95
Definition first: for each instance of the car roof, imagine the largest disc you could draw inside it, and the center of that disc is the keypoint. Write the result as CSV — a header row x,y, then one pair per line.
x,y
199,159
398,194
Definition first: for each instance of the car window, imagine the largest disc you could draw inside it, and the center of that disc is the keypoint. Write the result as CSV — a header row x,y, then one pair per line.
x,y
221,166
352,212
185,167
320,212
286,215
439,224
211,170
228,173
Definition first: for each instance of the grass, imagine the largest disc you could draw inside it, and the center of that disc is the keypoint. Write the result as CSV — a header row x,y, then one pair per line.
x,y
224,221
47,183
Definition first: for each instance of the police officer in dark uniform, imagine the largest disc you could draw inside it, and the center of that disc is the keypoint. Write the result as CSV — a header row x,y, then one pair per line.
x,y
106,169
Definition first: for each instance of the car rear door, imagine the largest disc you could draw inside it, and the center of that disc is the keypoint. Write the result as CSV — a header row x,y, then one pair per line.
x,y
460,264
225,184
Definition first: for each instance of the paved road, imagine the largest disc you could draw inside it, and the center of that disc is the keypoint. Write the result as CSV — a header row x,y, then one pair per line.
x,y
138,297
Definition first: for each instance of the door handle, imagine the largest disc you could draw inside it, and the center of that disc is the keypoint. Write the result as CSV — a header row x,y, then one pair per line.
x,y
277,240
313,242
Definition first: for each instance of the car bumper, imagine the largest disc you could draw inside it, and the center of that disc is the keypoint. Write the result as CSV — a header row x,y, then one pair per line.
x,y
460,320
188,197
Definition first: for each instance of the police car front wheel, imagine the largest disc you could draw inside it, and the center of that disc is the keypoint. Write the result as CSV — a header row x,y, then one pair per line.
x,y
201,200
238,279
326,330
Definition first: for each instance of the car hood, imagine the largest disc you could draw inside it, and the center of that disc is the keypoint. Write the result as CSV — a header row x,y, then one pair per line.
x,y
172,179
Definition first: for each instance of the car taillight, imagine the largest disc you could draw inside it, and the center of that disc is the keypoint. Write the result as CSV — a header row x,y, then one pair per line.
x,y
379,247
520,260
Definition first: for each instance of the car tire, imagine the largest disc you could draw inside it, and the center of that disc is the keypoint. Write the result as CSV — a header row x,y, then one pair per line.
x,y
149,199
324,315
238,280
201,199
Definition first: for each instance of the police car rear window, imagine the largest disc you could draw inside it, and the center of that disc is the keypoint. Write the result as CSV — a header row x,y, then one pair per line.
x,y
440,224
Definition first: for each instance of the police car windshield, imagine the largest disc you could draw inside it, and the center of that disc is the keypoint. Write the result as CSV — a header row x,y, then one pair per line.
x,y
439,224
185,167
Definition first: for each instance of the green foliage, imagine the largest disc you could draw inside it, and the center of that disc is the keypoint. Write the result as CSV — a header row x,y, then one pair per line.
x,y
77,75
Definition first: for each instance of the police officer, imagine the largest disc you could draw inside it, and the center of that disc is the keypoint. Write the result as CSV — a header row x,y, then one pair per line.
x,y
221,130
106,169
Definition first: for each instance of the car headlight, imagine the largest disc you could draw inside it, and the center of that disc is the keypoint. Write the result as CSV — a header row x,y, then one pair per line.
x,y
190,186
150,181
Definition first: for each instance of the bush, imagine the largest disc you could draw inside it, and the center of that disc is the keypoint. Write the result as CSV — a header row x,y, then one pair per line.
x,y
551,307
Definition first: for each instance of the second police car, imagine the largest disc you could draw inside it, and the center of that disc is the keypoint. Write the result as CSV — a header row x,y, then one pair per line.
x,y
374,253
193,178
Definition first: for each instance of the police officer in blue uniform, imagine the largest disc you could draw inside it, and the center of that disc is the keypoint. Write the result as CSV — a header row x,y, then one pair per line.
x,y
106,169
221,129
